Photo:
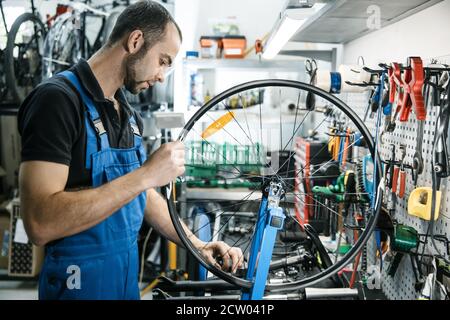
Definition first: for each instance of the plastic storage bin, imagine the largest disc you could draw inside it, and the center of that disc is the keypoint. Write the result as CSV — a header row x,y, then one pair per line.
x,y
211,47
234,47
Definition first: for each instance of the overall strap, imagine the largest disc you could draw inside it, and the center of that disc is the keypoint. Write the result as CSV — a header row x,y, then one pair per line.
x,y
137,138
94,127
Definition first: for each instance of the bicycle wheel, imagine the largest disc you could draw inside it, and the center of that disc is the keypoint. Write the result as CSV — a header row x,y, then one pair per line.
x,y
245,138
3,88
59,45
23,55
109,24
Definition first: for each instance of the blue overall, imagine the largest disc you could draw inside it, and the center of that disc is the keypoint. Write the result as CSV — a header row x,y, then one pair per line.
x,y
101,262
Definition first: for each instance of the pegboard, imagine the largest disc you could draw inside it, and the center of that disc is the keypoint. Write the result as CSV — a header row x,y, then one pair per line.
x,y
401,286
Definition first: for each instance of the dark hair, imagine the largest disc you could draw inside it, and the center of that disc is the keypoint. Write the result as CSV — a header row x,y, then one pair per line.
x,y
148,16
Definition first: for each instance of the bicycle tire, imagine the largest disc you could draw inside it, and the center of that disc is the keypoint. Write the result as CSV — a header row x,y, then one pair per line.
x,y
10,70
363,238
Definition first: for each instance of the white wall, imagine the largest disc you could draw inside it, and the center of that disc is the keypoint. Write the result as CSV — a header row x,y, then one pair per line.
x,y
424,34
187,16
254,17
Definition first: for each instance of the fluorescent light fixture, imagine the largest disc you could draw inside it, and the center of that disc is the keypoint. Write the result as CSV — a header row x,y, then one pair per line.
x,y
286,30
286,27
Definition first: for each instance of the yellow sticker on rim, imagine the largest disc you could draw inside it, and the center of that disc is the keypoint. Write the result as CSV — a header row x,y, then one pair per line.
x,y
218,125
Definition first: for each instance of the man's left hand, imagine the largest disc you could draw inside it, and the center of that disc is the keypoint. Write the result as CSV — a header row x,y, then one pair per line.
x,y
231,257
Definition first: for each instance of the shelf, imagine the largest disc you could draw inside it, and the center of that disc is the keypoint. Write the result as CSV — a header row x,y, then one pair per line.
x,y
249,115
226,194
280,65
341,21
221,194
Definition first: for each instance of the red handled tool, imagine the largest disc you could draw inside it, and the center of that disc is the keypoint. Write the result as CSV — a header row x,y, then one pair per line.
x,y
412,84
394,183
405,104
399,173
401,191
416,86
395,78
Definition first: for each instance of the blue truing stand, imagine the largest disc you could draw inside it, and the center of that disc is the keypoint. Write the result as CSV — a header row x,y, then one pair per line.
x,y
270,220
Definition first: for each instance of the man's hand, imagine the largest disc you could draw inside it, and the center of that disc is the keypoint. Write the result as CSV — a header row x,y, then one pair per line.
x,y
165,165
231,257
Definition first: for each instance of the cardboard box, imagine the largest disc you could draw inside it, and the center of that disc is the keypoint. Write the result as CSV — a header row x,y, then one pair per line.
x,y
4,239
25,259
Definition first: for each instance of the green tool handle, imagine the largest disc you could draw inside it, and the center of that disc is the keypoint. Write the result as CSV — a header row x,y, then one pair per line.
x,y
328,193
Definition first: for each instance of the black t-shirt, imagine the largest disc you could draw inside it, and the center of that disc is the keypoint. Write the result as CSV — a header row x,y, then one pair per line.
x,y
52,123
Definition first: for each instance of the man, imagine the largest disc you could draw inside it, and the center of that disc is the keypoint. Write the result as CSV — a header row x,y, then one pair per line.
x,y
85,185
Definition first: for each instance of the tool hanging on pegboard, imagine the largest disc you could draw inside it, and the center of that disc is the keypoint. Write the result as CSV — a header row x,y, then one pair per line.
x,y
439,165
404,144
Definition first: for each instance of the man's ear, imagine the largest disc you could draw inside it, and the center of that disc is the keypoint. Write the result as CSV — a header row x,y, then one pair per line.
x,y
134,42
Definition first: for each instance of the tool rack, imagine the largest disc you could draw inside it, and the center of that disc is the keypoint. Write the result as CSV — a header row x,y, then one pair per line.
x,y
401,286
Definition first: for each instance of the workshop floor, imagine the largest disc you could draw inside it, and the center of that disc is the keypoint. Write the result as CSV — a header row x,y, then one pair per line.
x,y
28,290
18,290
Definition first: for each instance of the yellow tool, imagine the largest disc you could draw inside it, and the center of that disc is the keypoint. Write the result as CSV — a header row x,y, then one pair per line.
x,y
218,124
333,144
172,256
419,203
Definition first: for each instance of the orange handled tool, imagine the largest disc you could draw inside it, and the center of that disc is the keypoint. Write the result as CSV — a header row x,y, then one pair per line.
x,y
345,151
401,191
416,86
412,88
405,107
402,173
395,80
258,46
395,179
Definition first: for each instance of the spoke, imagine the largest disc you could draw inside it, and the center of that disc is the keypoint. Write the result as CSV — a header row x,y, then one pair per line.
x,y
226,131
299,126
260,125
347,193
323,164
261,220
215,150
236,243
320,203
317,201
281,121
234,118
231,216
238,176
304,118
293,133
200,166
219,209
254,230
245,115
230,134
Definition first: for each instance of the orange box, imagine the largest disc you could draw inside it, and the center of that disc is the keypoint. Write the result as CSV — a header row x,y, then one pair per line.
x,y
234,46
211,47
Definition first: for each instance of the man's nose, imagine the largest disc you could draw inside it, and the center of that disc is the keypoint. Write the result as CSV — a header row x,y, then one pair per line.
x,y
161,76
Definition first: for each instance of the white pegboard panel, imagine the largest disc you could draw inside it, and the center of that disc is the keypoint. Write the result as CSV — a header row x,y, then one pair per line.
x,y
401,286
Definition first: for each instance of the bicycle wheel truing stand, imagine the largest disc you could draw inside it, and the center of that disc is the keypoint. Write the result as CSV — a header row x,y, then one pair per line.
x,y
270,220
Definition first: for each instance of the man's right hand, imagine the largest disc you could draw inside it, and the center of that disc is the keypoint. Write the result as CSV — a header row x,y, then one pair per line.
x,y
165,165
